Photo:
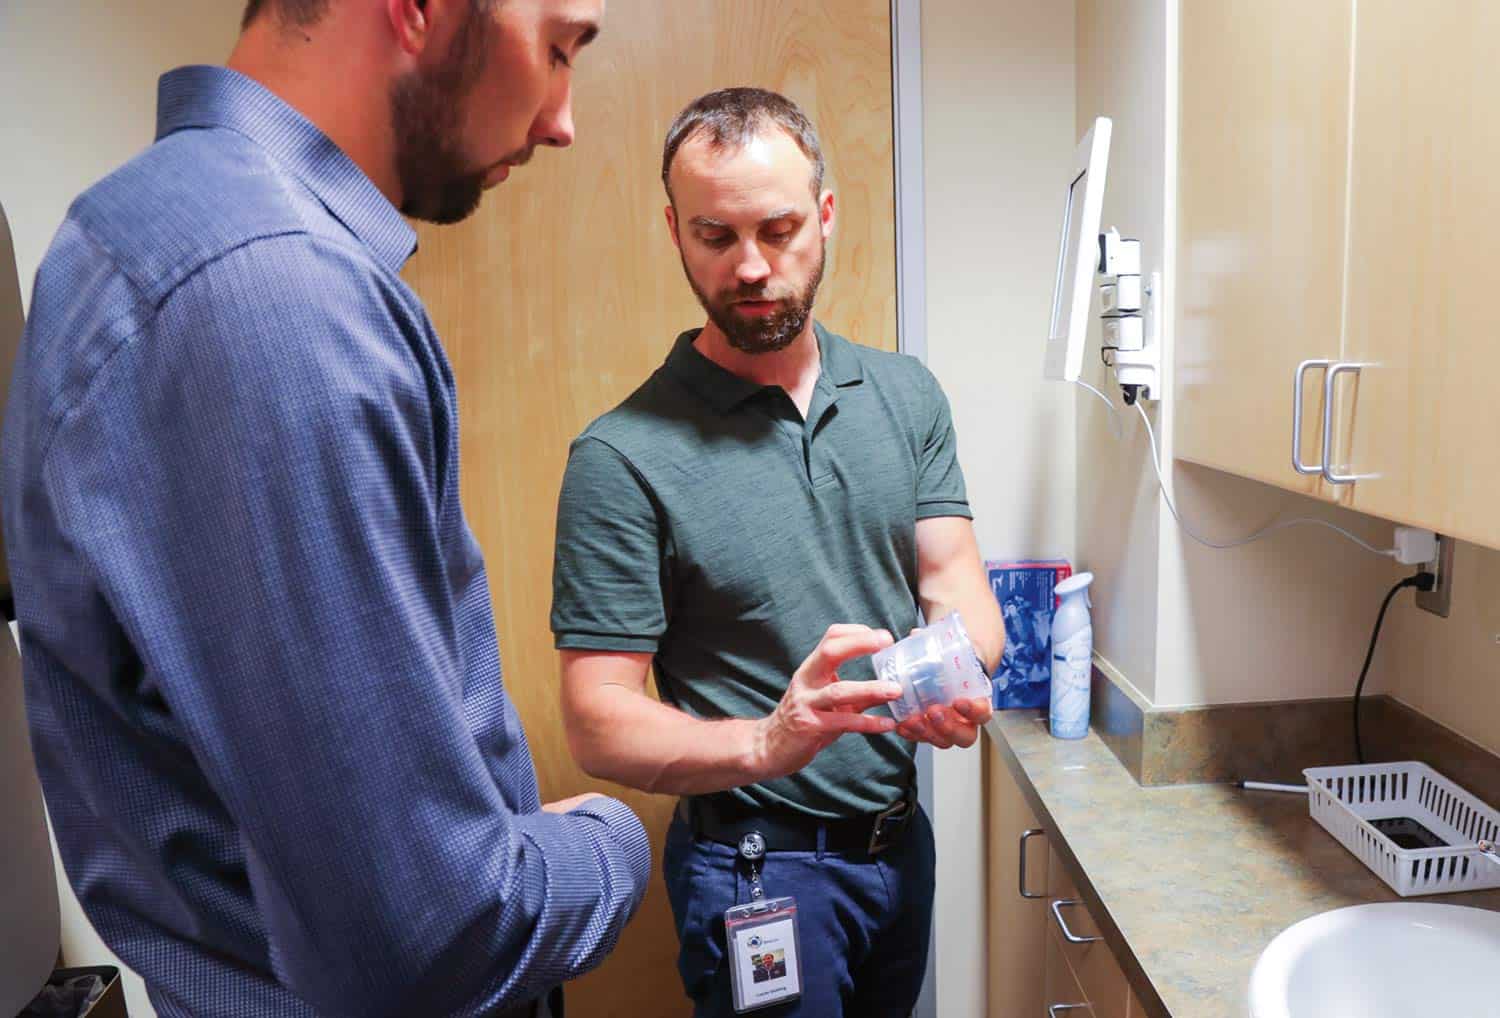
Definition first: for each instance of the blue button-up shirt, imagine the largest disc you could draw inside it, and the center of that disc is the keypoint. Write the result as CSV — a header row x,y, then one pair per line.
x,y
260,662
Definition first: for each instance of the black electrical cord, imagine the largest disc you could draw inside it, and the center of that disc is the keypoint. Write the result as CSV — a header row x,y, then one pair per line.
x,y
1422,581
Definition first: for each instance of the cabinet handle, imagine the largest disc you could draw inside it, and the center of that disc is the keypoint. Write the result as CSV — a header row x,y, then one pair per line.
x,y
1062,924
1025,837
1331,475
1297,464
1053,1010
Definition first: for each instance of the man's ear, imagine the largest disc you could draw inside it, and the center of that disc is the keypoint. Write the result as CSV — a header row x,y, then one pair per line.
x,y
825,213
672,225
410,24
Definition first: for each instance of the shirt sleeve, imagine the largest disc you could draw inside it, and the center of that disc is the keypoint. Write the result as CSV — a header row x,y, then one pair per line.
x,y
255,489
608,591
940,480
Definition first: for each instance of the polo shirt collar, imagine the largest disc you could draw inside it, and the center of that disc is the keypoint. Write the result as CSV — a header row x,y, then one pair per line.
x,y
204,96
724,390
841,365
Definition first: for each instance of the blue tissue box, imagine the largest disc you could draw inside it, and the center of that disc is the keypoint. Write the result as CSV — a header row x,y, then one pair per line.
x,y
1025,592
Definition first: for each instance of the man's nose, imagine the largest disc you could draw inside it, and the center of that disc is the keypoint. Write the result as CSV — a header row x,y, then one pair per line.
x,y
752,267
554,125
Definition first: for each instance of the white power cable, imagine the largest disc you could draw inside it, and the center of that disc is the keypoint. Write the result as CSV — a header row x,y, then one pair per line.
x,y
1114,415
1264,532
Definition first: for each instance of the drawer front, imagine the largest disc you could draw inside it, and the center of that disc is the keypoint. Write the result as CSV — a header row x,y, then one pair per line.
x,y
1092,964
1063,997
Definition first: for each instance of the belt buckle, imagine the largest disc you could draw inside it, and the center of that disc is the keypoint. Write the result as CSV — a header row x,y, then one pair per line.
x,y
898,811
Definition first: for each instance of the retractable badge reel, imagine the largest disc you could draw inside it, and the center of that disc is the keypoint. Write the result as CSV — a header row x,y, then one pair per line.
x,y
765,961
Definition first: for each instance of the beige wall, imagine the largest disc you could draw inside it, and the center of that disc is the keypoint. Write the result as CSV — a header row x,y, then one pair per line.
x,y
78,84
1122,74
1449,669
77,99
1285,618
998,141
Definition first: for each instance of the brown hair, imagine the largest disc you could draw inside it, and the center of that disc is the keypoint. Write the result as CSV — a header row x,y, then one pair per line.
x,y
730,117
300,13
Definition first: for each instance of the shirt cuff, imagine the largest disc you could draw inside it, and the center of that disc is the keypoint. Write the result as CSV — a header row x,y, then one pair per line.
x,y
628,832
606,641
953,507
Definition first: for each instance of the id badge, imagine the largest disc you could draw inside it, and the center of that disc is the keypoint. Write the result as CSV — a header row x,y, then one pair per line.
x,y
765,965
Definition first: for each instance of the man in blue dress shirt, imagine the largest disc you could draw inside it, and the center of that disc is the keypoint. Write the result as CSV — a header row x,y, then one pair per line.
x,y
261,666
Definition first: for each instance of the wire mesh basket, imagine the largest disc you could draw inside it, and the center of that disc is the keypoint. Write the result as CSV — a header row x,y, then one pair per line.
x,y
1411,826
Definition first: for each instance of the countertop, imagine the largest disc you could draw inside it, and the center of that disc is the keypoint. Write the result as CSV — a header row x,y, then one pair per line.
x,y
1188,883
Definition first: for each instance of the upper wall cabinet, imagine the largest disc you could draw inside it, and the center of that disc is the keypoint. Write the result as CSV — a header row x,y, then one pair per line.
x,y
1424,291
1262,163
1291,114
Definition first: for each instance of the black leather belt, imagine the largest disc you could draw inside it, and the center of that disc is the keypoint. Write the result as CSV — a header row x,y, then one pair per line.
x,y
725,820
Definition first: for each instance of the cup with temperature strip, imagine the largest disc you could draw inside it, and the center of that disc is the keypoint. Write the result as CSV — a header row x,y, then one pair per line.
x,y
933,666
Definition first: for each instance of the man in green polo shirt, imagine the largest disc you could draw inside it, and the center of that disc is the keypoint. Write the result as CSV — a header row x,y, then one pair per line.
x,y
756,520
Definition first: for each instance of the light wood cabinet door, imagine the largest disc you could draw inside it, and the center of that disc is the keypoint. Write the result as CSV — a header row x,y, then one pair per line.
x,y
1016,926
1422,308
1262,162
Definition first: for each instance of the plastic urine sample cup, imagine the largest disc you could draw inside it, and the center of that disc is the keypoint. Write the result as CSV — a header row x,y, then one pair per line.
x,y
933,666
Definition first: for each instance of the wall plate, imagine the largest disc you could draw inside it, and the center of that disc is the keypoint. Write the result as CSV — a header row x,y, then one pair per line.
x,y
1439,598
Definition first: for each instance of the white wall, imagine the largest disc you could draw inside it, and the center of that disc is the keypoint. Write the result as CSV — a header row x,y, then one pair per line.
x,y
78,98
998,134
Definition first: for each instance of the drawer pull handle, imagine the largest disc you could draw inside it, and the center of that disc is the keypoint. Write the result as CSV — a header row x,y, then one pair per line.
x,y
1025,837
1062,924
1331,473
1297,464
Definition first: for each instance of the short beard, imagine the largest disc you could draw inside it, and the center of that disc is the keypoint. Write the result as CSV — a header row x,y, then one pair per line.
x,y
426,113
775,331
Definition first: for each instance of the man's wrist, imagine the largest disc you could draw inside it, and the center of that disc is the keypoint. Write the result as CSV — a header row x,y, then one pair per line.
x,y
758,737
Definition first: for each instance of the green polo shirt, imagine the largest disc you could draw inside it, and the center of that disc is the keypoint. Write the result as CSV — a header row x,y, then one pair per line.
x,y
705,522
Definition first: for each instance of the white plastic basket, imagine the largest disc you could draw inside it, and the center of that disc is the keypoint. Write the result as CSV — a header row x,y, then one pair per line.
x,y
1346,799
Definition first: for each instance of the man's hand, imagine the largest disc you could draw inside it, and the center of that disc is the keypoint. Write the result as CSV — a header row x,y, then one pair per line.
x,y
946,727
571,803
817,707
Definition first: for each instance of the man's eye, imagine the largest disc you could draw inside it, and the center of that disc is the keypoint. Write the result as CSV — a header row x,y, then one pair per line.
x,y
716,239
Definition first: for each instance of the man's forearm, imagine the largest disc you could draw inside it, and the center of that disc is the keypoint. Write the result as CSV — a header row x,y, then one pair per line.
x,y
981,615
951,578
627,737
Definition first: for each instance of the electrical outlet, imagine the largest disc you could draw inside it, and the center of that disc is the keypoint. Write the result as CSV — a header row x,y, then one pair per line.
x,y
1440,597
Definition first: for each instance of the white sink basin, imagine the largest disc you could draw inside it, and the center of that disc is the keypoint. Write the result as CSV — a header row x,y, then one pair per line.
x,y
1390,960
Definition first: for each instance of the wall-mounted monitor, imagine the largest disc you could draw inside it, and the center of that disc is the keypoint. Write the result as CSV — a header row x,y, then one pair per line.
x,y
1077,256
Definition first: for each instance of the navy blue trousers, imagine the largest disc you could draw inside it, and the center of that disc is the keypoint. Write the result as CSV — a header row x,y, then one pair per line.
x,y
864,922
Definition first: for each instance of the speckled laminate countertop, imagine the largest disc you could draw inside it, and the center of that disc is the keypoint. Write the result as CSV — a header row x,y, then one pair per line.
x,y
1188,883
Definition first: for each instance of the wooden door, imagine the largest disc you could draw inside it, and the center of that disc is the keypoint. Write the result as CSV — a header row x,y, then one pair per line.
x,y
1261,168
564,292
1424,204
1016,926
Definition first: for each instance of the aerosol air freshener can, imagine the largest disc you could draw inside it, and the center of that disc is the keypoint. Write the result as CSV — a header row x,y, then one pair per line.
x,y
1072,658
